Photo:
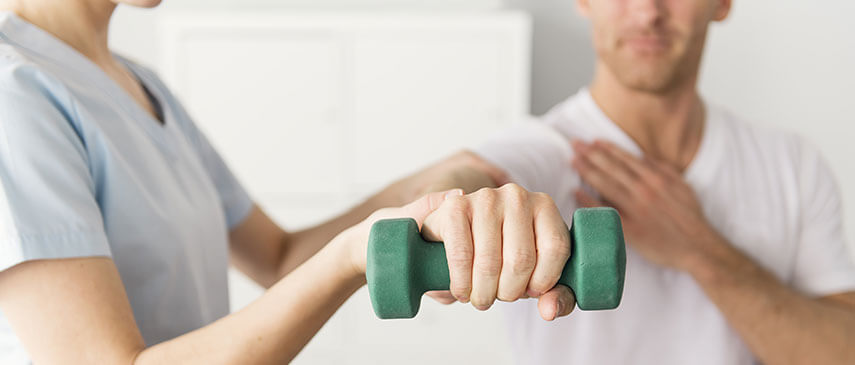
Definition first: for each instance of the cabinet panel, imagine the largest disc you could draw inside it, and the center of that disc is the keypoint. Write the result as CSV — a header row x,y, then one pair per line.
x,y
422,96
271,104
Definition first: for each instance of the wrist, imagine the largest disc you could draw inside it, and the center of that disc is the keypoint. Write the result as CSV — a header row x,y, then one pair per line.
x,y
350,253
714,260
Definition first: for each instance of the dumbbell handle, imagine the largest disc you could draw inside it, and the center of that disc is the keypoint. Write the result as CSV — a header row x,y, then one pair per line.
x,y
432,267
401,265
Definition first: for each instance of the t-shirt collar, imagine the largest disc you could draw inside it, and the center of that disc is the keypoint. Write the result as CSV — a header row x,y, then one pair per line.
x,y
700,169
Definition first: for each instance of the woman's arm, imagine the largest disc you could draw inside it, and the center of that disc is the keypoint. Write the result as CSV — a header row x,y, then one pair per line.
x,y
76,311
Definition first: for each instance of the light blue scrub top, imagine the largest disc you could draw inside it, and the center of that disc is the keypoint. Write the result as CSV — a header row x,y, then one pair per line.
x,y
86,171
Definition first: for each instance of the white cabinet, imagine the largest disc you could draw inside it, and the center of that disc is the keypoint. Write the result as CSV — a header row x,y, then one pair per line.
x,y
314,111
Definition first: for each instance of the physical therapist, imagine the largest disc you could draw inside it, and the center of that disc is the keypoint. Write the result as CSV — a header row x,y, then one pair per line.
x,y
118,219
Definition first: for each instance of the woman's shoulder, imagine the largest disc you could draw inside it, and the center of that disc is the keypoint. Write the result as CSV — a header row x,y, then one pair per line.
x,y
25,76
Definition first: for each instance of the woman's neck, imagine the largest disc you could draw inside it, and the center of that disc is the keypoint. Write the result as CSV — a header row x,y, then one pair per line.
x,y
82,24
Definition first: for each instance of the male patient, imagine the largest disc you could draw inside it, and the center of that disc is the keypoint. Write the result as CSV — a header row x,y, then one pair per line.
x,y
736,250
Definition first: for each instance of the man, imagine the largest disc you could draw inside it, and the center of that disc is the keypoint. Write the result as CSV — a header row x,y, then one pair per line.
x,y
735,237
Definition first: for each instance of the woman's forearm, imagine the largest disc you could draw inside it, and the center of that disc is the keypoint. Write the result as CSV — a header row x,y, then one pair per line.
x,y
301,245
275,327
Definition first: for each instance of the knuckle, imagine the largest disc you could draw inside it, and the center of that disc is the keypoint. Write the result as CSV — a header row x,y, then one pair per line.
x,y
514,193
459,256
541,197
543,201
489,268
485,197
658,182
646,194
456,205
557,245
539,285
522,262
460,290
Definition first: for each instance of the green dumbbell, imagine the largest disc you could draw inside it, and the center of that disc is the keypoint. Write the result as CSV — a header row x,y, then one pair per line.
x,y
402,266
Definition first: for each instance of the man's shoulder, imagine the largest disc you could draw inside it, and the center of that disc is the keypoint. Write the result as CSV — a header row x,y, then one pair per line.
x,y
744,133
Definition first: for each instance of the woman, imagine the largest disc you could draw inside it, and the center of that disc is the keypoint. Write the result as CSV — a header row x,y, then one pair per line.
x,y
118,219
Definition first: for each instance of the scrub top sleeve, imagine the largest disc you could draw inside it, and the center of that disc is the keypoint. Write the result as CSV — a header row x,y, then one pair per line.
x,y
824,263
48,206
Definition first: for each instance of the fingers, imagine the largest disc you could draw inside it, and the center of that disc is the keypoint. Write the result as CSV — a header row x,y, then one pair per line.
x,y
487,221
611,180
600,155
426,205
585,200
553,245
639,167
557,302
442,296
518,250
451,225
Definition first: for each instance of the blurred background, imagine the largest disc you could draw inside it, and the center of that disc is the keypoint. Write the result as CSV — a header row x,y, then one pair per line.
x,y
317,103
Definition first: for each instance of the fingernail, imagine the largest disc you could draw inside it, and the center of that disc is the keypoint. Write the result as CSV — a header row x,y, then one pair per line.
x,y
455,192
557,309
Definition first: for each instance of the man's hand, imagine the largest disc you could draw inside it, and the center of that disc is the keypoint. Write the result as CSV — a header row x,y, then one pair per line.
x,y
661,216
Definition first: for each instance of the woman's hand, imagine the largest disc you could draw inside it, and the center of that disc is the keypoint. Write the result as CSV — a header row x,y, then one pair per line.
x,y
356,237
504,243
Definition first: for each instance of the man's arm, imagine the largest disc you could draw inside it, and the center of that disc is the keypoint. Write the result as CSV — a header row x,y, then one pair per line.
x,y
779,325
266,252
664,222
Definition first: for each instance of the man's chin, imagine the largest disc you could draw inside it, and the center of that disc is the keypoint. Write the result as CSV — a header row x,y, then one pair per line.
x,y
648,81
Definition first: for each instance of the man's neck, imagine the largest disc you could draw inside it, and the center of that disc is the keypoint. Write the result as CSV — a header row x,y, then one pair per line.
x,y
82,24
666,126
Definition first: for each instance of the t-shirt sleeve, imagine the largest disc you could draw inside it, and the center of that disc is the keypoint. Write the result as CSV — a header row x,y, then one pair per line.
x,y
536,157
48,205
824,264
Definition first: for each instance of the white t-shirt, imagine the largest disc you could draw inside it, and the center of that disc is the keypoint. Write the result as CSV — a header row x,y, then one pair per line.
x,y
768,192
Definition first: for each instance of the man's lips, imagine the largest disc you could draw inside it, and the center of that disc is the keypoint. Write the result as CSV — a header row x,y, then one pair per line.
x,y
647,44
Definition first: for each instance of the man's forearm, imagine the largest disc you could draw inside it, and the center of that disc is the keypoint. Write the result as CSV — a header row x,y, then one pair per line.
x,y
462,170
779,324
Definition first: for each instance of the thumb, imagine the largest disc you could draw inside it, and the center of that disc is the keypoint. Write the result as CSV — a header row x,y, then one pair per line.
x,y
424,206
557,302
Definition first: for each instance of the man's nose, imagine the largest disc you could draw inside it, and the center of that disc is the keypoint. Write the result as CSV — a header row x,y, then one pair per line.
x,y
647,12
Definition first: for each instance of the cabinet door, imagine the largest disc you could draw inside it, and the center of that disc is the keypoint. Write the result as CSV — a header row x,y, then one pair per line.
x,y
270,101
423,95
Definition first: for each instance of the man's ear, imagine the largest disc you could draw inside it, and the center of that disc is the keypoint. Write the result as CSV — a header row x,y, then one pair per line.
x,y
722,9
584,7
